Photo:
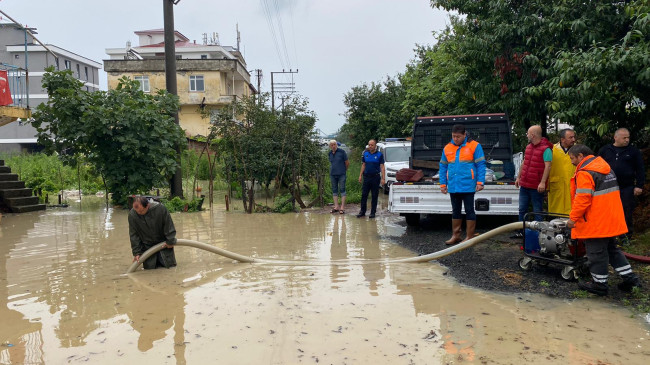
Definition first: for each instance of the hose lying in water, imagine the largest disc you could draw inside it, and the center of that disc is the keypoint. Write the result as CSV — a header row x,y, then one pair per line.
x,y
424,258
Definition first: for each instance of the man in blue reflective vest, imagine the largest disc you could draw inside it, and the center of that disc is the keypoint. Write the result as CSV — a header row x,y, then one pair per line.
x,y
372,174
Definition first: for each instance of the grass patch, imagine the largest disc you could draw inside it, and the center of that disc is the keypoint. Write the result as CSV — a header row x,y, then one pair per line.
x,y
581,294
639,301
180,205
544,283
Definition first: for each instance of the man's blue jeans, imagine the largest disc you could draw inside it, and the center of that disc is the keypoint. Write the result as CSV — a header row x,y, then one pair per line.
x,y
527,196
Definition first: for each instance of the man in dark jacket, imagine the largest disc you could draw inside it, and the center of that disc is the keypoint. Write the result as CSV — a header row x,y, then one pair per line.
x,y
150,224
627,163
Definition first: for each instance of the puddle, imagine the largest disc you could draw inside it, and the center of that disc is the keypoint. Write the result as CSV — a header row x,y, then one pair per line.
x,y
63,298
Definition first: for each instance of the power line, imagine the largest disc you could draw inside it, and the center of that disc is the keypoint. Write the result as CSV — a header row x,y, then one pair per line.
x,y
269,21
281,29
293,32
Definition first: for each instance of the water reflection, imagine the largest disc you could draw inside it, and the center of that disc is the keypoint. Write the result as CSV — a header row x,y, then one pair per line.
x,y
338,250
63,299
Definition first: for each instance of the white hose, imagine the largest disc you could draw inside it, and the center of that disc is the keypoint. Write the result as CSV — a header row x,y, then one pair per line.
x,y
231,255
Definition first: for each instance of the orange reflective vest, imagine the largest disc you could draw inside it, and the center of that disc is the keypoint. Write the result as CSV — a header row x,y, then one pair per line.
x,y
596,206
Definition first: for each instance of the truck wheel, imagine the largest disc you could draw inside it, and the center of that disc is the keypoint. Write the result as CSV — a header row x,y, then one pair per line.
x,y
412,219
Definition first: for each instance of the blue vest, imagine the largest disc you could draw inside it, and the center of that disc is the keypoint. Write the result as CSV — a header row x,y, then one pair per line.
x,y
372,161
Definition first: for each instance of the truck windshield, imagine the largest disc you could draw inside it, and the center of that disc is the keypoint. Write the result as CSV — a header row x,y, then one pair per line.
x,y
397,153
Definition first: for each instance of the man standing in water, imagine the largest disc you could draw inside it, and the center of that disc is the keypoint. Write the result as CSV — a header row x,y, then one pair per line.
x,y
150,224
373,175
338,170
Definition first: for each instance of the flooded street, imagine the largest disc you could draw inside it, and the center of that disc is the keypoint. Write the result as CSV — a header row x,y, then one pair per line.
x,y
64,299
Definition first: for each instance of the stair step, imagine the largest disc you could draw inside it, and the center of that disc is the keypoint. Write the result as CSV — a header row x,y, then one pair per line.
x,y
8,177
27,208
15,193
15,202
5,169
12,184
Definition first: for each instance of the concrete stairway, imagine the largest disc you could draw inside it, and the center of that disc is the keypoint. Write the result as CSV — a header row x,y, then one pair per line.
x,y
13,194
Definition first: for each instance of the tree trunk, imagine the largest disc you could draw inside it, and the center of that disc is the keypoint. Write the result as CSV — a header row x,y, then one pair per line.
x,y
251,197
243,195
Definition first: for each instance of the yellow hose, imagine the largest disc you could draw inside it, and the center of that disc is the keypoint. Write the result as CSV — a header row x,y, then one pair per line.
x,y
231,255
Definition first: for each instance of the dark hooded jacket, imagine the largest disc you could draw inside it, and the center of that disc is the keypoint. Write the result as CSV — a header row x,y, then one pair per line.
x,y
152,228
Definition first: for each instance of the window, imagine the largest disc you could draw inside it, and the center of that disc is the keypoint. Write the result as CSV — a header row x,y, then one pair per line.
x,y
86,70
57,63
78,72
144,83
204,56
196,83
68,65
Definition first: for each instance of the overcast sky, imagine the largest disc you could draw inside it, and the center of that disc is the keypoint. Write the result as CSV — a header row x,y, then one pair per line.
x,y
335,44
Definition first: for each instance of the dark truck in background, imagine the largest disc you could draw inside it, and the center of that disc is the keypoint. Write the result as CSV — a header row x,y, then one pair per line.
x,y
430,136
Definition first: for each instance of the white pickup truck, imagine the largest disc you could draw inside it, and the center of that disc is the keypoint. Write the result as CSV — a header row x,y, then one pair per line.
x,y
430,135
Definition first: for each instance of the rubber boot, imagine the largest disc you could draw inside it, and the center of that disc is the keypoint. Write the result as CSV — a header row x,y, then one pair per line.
x,y
455,230
595,288
630,283
471,228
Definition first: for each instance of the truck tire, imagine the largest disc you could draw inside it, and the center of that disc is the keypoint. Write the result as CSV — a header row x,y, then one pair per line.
x,y
412,219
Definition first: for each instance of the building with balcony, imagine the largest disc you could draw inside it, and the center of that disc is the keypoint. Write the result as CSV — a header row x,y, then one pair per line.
x,y
207,74
25,62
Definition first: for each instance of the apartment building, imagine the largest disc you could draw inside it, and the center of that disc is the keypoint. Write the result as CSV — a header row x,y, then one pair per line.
x,y
207,74
19,53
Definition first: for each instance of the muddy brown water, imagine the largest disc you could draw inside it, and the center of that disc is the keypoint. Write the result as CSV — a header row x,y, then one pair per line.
x,y
64,299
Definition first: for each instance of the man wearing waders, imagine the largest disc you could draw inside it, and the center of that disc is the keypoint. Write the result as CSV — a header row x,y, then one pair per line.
x,y
150,224
597,216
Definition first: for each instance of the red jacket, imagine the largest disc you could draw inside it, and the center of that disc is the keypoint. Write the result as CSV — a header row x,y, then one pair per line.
x,y
596,206
532,169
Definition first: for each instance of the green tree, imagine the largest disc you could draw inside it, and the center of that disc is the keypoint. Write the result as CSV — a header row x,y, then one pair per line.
x,y
511,49
375,111
607,85
259,145
246,144
128,136
435,83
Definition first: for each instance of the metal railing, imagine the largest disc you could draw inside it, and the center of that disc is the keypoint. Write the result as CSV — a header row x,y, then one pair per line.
x,y
17,81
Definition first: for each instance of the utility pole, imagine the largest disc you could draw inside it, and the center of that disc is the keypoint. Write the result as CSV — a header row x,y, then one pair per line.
x,y
282,87
176,183
258,74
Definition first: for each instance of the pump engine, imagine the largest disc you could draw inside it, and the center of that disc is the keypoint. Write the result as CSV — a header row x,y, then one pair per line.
x,y
554,237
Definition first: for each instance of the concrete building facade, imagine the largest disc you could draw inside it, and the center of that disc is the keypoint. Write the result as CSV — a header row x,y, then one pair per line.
x,y
16,45
208,75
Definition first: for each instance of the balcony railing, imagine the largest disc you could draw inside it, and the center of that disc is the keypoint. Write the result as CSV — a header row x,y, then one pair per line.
x,y
17,81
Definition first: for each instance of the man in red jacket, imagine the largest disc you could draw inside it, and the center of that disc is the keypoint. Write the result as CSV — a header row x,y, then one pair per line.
x,y
533,173
597,216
